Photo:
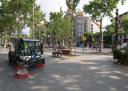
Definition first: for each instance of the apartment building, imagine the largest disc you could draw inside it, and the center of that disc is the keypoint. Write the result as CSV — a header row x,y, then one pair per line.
x,y
84,24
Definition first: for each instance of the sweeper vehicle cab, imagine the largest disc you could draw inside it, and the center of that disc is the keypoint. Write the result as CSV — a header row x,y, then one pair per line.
x,y
25,52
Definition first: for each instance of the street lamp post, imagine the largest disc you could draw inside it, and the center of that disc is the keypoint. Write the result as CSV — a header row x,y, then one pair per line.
x,y
33,22
48,40
116,28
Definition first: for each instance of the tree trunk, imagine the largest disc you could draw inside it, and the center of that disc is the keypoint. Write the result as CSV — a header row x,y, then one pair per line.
x,y
101,37
126,54
112,41
18,34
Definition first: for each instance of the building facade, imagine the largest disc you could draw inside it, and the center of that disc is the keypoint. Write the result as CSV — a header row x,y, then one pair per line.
x,y
122,38
84,24
95,27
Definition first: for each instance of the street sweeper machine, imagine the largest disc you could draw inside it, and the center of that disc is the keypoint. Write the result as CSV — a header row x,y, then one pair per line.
x,y
25,53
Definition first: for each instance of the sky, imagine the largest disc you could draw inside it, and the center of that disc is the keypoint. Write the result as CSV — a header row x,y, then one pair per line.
x,y
48,6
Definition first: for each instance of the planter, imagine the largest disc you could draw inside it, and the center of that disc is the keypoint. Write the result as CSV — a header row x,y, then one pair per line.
x,y
66,51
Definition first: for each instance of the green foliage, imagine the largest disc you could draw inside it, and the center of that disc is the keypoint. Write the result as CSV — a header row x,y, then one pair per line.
x,y
72,4
123,30
107,39
35,23
17,14
88,33
120,56
60,26
98,9
89,38
110,28
124,23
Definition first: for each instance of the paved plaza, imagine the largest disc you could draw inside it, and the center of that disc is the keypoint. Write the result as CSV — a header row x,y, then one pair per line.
x,y
85,72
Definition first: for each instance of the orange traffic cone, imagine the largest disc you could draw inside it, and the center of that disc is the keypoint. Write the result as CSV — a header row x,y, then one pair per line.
x,y
22,73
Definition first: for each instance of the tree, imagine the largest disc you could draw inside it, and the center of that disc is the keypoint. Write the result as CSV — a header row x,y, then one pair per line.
x,y
35,22
60,27
98,9
89,38
16,15
55,25
6,19
72,4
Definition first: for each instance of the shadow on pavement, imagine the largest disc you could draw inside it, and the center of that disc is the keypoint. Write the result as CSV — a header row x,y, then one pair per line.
x,y
65,75
6,72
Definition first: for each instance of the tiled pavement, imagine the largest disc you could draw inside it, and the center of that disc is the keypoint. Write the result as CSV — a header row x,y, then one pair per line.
x,y
79,73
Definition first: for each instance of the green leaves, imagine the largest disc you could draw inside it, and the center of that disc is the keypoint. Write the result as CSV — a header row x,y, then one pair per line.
x,y
60,26
72,4
17,14
98,9
101,8
35,21
124,23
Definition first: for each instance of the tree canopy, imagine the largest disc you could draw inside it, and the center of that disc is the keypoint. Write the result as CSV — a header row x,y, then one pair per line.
x,y
98,9
72,4
17,14
124,23
60,26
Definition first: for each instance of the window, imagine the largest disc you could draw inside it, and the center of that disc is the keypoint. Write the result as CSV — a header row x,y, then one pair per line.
x,y
11,47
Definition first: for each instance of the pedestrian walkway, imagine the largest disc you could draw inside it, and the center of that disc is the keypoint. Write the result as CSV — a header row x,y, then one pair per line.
x,y
79,73
91,50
